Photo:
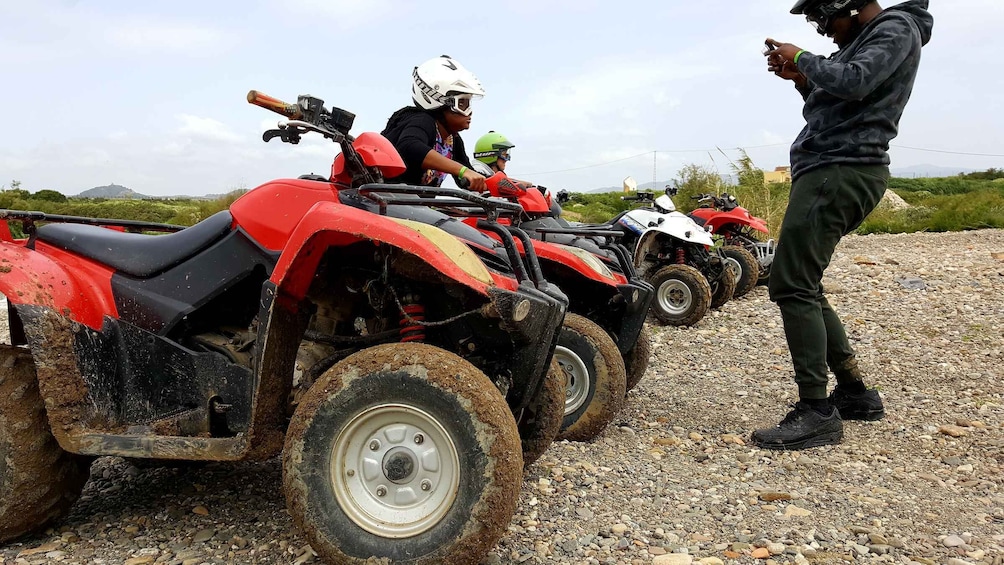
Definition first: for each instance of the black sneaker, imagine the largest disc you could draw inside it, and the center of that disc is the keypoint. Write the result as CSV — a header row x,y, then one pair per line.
x,y
865,405
802,428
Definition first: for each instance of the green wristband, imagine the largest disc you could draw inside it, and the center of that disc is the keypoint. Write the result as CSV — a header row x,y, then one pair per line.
x,y
463,170
797,55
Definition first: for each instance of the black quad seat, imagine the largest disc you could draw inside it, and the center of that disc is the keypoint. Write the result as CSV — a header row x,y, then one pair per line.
x,y
134,254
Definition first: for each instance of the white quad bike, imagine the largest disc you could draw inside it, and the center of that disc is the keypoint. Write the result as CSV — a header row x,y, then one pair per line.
x,y
675,255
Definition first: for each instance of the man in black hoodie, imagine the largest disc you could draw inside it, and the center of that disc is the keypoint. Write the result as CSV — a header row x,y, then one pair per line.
x,y
840,170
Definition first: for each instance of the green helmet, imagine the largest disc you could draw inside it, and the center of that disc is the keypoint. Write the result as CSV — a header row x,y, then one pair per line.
x,y
491,147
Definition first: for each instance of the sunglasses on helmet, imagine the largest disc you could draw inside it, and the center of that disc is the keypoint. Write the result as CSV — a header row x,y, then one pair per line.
x,y
460,104
820,20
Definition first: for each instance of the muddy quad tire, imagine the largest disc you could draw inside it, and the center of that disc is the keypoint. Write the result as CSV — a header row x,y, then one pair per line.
x,y
745,268
540,422
636,359
595,378
38,480
723,289
682,295
402,453
764,278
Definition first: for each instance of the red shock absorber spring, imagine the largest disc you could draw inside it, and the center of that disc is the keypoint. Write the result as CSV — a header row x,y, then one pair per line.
x,y
681,256
411,329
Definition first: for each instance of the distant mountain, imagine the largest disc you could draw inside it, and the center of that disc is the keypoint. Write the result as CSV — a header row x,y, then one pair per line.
x,y
112,191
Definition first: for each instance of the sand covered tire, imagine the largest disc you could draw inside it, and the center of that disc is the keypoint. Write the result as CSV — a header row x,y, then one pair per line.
x,y
636,359
682,295
402,453
595,378
746,268
38,480
540,422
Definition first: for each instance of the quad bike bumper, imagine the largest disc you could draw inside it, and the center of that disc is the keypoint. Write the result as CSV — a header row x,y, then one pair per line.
x,y
764,253
532,317
637,296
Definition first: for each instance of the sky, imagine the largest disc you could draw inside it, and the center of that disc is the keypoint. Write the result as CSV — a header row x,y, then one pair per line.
x,y
151,95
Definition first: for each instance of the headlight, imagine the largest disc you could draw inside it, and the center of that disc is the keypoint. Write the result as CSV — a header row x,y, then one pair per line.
x,y
589,259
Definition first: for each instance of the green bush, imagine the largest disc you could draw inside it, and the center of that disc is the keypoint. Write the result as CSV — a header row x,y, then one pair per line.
x,y
965,202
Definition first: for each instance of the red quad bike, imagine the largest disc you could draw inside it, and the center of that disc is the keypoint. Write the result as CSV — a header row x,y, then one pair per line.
x,y
741,231
414,352
603,336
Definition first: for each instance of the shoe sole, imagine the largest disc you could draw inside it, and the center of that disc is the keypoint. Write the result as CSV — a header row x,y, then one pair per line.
x,y
832,438
869,416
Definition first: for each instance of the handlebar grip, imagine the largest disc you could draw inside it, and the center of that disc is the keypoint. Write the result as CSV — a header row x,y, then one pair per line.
x,y
291,111
463,183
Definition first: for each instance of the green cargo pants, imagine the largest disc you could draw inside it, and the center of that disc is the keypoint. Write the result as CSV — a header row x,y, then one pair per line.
x,y
825,204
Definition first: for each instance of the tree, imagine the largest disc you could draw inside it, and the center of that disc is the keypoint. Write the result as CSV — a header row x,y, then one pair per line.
x,y
693,180
49,196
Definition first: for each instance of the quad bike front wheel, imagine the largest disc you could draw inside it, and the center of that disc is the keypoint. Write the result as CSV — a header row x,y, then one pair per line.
x,y
636,359
540,422
682,295
595,378
402,453
38,480
744,267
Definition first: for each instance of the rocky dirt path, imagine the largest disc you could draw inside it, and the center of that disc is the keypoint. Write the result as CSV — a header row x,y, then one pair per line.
x,y
676,480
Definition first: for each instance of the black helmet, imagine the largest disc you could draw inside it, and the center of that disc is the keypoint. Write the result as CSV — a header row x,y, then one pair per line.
x,y
821,13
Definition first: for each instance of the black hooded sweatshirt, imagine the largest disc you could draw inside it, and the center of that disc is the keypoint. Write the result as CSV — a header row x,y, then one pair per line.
x,y
413,133
855,98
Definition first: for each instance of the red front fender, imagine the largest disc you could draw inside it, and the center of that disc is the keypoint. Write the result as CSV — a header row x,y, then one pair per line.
x,y
328,224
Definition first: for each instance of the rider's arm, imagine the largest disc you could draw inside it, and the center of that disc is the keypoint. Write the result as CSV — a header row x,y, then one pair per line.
x,y
415,145
433,160
882,52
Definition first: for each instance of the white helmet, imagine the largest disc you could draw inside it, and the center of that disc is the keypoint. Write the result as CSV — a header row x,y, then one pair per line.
x,y
443,82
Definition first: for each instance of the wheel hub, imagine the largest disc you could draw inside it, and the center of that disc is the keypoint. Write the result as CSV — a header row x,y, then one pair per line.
x,y
395,470
577,383
399,465
736,269
675,297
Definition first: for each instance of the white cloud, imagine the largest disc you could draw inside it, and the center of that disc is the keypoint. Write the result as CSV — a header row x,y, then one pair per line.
x,y
174,37
625,89
207,129
346,14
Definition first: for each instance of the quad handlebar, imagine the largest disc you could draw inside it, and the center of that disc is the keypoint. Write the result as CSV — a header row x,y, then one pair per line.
x,y
724,202
291,111
640,197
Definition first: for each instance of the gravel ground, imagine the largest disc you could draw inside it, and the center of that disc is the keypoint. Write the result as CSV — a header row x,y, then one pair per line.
x,y
676,480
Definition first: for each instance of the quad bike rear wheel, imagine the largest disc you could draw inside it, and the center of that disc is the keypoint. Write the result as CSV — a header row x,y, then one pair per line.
x,y
745,268
38,480
723,288
595,378
540,422
402,453
682,295
636,359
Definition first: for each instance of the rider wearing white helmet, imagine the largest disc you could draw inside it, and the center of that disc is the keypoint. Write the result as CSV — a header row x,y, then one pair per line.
x,y
427,133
